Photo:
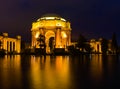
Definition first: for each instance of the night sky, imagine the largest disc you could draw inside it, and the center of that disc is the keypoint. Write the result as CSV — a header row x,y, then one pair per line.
x,y
91,18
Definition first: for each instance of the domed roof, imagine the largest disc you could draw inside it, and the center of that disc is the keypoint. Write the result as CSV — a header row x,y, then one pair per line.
x,y
51,17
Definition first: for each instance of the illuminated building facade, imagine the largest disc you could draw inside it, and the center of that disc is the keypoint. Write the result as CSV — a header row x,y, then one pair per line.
x,y
55,29
96,45
10,44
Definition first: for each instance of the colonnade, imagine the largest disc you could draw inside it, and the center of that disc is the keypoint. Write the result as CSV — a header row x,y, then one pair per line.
x,y
10,44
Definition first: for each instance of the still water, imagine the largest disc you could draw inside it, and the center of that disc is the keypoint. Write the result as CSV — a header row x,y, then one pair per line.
x,y
60,72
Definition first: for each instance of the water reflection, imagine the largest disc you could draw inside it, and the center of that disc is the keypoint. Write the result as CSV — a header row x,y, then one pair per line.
x,y
96,67
58,72
49,72
10,72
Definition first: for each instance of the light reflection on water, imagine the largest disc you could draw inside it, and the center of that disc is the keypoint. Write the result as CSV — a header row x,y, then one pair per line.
x,y
59,72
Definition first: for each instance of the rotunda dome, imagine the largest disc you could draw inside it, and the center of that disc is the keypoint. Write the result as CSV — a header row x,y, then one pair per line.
x,y
51,17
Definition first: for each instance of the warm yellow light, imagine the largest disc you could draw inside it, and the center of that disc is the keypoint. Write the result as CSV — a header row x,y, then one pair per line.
x,y
47,18
37,35
64,35
63,19
51,18
61,47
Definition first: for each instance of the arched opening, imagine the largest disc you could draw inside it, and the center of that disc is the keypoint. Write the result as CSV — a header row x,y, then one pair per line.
x,y
49,40
51,44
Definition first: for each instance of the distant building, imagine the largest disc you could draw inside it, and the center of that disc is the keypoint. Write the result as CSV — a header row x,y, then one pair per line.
x,y
54,30
10,44
96,46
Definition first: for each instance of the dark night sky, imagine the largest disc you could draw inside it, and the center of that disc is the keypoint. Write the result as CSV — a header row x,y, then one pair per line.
x,y
92,18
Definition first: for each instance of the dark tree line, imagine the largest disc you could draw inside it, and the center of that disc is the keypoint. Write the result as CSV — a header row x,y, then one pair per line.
x,y
104,45
41,40
114,43
83,44
42,45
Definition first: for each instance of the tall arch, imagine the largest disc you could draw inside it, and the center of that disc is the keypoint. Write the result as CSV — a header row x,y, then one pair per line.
x,y
48,35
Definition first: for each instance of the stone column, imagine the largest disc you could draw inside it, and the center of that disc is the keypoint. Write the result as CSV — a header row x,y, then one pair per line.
x,y
69,43
5,37
58,38
18,44
33,39
12,46
100,50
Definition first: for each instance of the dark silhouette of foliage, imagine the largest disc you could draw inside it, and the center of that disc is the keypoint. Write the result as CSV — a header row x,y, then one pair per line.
x,y
41,40
114,43
72,50
88,48
104,45
81,42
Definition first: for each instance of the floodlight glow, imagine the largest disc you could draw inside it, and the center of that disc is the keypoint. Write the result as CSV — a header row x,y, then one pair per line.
x,y
37,35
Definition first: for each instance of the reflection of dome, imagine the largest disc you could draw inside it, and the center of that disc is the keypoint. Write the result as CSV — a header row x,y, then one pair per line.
x,y
51,17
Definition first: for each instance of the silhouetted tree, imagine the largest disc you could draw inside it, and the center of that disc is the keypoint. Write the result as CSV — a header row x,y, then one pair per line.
x,y
72,50
104,45
81,42
114,44
41,40
88,48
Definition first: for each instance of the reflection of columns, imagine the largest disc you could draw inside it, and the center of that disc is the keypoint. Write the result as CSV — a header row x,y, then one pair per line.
x,y
58,38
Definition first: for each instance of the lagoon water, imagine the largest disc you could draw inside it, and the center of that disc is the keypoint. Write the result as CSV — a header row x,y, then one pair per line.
x,y
60,72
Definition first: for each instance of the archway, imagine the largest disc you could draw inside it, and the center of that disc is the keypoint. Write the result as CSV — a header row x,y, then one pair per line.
x,y
49,40
51,43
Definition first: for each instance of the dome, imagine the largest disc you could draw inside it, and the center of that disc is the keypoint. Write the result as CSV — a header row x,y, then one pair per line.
x,y
51,17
